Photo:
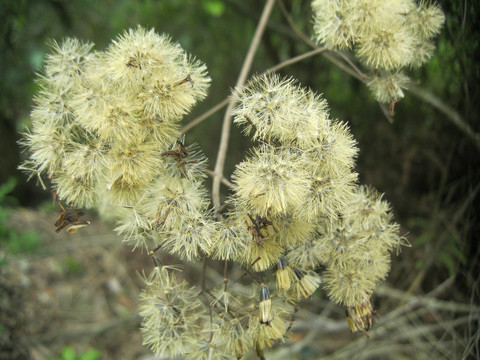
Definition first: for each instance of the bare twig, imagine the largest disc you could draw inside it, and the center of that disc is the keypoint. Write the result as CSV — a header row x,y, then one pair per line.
x,y
225,101
205,115
453,116
290,21
295,59
222,151
224,181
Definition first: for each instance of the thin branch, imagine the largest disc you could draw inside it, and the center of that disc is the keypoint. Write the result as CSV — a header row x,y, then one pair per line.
x,y
295,59
344,67
224,181
453,116
290,21
222,151
225,101
205,115
352,64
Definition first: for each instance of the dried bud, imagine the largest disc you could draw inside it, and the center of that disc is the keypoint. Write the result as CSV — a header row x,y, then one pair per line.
x,y
284,274
307,283
236,342
265,306
361,317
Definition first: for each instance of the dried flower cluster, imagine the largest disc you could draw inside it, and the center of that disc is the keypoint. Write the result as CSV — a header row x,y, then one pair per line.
x,y
105,133
386,36
304,208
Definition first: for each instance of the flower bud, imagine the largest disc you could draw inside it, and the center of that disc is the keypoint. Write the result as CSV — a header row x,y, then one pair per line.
x,y
307,283
360,317
284,274
265,306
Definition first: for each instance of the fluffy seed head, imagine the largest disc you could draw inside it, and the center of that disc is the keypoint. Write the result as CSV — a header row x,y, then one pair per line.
x,y
170,315
166,80
64,66
332,25
389,87
277,109
388,47
271,181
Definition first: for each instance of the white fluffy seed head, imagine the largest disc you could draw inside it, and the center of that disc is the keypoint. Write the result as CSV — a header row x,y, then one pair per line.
x,y
271,181
277,109
388,87
384,34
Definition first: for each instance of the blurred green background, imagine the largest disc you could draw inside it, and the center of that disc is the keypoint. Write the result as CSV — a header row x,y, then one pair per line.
x,y
426,165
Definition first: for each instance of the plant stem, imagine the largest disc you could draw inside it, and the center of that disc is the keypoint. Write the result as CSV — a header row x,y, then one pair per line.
x,y
295,59
227,121
225,101
205,115
453,116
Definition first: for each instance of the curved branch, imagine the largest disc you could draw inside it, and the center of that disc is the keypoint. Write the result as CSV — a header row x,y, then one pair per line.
x,y
453,116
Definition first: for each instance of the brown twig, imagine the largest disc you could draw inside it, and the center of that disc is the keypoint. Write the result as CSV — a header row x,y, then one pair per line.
x,y
222,151
290,21
205,115
224,181
451,115
295,59
247,272
225,101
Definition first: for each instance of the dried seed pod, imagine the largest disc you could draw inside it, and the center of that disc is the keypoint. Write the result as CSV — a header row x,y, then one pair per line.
x,y
361,317
284,274
265,306
307,283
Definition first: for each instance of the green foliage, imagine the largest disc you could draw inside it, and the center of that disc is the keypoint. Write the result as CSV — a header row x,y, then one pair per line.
x,y
71,266
214,7
442,249
69,353
11,240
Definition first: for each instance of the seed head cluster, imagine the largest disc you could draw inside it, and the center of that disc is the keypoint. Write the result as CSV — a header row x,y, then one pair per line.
x,y
386,36
305,209
105,134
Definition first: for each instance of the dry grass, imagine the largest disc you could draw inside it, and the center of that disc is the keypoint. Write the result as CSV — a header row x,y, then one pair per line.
x,y
81,290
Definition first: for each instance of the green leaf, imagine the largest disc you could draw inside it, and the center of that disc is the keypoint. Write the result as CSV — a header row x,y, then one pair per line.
x,y
7,188
419,264
423,239
68,353
92,354
448,262
214,7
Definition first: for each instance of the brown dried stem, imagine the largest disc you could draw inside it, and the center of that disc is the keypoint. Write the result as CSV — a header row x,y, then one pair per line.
x,y
227,120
